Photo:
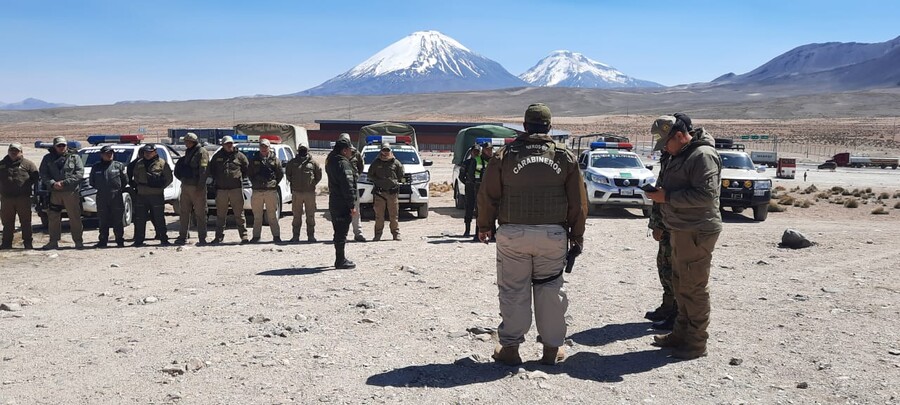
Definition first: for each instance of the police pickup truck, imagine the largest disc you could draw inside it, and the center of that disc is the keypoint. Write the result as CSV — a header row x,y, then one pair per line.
x,y
414,191
613,176
743,185
126,149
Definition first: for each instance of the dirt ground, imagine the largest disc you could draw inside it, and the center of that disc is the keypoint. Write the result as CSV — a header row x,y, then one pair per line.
x,y
269,323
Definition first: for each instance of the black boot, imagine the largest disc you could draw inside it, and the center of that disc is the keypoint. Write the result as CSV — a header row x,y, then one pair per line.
x,y
468,229
665,324
340,261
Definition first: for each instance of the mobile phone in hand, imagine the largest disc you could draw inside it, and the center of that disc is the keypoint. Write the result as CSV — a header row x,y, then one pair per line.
x,y
649,188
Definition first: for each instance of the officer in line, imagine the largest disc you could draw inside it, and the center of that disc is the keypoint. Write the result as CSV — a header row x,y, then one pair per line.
x,y
356,160
525,187
304,174
150,175
265,173
475,172
191,171
109,178
17,179
342,198
62,172
471,192
386,173
688,195
227,168
663,316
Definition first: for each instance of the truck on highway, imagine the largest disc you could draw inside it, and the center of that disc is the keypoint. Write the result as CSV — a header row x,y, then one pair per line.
x,y
770,159
786,168
845,159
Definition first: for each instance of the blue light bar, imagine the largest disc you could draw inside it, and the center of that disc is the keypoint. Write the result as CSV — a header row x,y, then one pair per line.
x,y
494,141
97,139
237,138
375,139
611,145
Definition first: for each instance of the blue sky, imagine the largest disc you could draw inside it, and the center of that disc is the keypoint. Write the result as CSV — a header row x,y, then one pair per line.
x,y
102,51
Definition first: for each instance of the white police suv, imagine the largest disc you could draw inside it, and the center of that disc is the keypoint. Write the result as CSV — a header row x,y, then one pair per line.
x,y
613,176
414,190
743,185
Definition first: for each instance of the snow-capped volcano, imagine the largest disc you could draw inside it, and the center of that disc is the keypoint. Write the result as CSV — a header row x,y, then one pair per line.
x,y
423,62
572,69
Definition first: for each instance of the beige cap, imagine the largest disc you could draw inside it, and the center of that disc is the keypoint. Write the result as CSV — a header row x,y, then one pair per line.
x,y
264,142
227,139
16,146
385,146
191,137
59,140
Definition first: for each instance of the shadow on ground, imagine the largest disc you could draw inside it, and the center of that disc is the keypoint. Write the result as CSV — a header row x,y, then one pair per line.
x,y
300,271
612,333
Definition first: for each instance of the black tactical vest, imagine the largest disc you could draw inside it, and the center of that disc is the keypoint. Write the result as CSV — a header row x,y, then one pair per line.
x,y
533,177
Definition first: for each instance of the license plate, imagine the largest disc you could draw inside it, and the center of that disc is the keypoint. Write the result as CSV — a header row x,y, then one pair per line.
x,y
626,191
736,196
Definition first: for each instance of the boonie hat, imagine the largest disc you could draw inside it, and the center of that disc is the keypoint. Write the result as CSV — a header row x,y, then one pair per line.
x,y
264,142
345,136
16,146
59,140
227,139
107,149
661,129
191,137
538,113
148,148
385,146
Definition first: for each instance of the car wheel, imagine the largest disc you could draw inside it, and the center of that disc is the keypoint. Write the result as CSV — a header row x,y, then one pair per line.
x,y
128,212
760,212
737,210
422,211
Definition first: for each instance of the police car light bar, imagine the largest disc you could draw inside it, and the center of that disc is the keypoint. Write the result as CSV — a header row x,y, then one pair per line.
x,y
100,138
48,145
611,145
271,138
493,141
374,139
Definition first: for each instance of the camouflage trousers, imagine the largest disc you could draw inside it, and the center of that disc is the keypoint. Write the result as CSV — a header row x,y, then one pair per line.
x,y
664,268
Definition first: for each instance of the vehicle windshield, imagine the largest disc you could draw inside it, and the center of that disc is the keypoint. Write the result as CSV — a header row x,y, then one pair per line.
x,y
736,161
616,161
90,157
405,156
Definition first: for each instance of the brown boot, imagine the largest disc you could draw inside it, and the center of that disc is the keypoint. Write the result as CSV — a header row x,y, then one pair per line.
x,y
667,340
689,353
508,355
553,355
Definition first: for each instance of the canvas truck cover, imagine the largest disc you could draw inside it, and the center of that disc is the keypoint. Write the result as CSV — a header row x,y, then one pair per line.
x,y
466,138
292,135
386,128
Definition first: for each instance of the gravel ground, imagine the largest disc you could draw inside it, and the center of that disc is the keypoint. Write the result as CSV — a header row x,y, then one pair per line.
x,y
277,324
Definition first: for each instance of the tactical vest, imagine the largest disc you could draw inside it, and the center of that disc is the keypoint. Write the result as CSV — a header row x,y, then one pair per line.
x,y
533,177
480,165
150,177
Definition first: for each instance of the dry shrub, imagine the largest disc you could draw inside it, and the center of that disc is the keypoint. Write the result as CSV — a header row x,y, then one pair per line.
x,y
868,190
845,193
851,203
795,189
775,207
779,188
442,187
884,196
823,195
837,189
897,194
897,205
811,189
786,200
806,204
879,211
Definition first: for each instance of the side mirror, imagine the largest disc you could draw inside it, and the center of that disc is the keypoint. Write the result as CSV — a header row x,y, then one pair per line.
x,y
427,163
761,169
649,167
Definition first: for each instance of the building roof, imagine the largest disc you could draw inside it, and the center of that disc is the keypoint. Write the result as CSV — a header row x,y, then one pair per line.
x,y
413,123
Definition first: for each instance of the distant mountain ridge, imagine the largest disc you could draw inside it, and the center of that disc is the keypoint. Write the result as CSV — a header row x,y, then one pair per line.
x,y
423,62
32,104
572,69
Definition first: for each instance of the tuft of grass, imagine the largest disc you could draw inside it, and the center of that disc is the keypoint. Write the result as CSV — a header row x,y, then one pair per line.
x,y
806,204
786,200
868,190
775,207
884,195
897,205
779,188
811,189
823,195
846,193
837,190
879,211
851,203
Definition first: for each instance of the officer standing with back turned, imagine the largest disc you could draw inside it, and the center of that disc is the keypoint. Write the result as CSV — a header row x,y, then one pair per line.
x,y
534,189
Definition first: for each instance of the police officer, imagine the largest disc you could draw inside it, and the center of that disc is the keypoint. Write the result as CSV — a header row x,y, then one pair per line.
x,y
227,168
474,173
356,160
109,178
304,174
688,195
663,316
534,189
150,175
191,170
471,200
62,172
342,198
265,174
386,173
17,179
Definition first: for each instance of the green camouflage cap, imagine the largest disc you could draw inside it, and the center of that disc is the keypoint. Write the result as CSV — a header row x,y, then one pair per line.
x,y
227,139
538,113
660,129
191,137
60,140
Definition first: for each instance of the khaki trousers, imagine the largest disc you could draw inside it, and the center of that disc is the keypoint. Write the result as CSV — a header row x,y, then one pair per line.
x,y
691,259
304,200
357,230
71,201
526,252
265,201
234,198
392,203
193,201
9,208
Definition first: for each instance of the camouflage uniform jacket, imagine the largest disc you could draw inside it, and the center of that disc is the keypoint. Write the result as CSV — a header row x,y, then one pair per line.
x,y
67,168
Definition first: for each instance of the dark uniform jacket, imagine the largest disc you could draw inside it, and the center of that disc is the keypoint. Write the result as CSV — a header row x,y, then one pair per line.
x,y
341,184
265,172
191,168
67,168
108,177
386,174
692,180
17,178
228,169
150,177
533,181
473,169
304,174
656,221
